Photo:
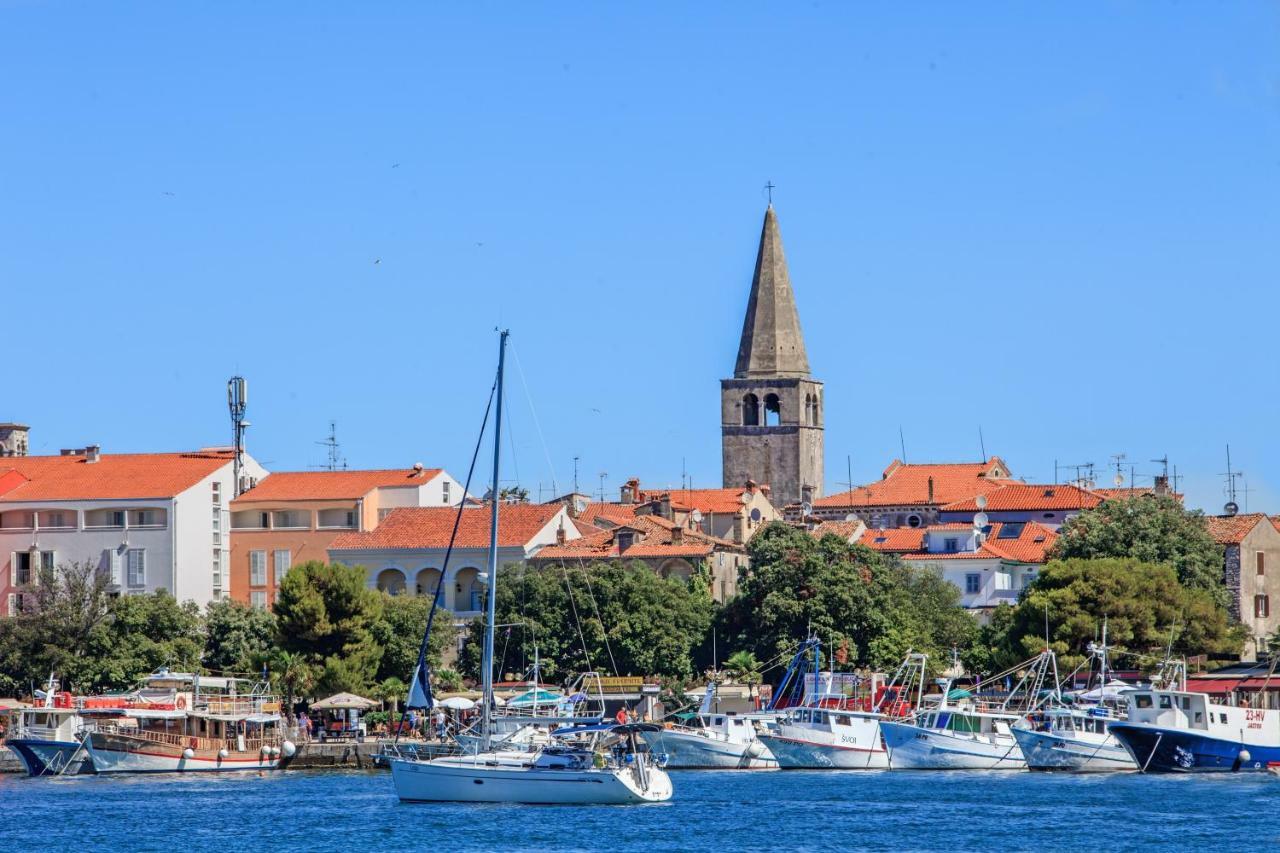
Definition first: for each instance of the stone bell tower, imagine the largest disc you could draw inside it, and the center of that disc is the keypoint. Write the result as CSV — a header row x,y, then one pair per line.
x,y
771,411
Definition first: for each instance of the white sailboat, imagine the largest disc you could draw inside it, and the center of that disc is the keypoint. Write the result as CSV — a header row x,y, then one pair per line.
x,y
612,768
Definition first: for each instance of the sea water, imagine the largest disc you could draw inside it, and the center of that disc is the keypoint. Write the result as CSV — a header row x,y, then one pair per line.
x,y
721,811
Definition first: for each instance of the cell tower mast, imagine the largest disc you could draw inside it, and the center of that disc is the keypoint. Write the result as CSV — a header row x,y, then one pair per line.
x,y
237,403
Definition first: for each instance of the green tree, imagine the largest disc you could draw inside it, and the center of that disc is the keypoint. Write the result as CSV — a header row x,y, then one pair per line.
x,y
595,615
399,632
327,614
1143,604
391,691
238,638
447,680
868,607
1150,529
744,669
293,675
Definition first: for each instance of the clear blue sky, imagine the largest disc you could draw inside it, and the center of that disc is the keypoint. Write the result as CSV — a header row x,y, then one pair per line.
x,y
1059,223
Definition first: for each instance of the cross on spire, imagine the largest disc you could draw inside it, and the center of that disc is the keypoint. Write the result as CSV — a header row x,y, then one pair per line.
x,y
770,186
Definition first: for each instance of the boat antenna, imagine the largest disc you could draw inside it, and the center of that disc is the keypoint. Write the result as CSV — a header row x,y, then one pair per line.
x,y
492,604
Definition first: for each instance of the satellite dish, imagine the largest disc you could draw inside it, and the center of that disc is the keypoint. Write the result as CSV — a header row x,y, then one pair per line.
x,y
981,501
1231,508
696,515
980,520
850,517
1119,479
806,508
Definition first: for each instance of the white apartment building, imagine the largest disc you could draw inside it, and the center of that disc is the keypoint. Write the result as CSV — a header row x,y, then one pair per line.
x,y
152,520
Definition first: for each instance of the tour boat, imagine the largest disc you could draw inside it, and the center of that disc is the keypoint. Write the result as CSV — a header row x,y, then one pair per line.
x,y
719,741
47,742
1173,730
616,767
184,722
837,732
963,731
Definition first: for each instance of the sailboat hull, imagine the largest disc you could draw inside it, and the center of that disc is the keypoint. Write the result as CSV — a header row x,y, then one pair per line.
x,y
914,748
687,751
1051,751
467,780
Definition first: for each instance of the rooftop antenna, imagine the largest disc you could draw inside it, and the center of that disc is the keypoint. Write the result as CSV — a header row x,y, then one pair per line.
x,y
902,442
1164,463
1231,507
334,459
1117,462
602,475
575,475
983,444
237,403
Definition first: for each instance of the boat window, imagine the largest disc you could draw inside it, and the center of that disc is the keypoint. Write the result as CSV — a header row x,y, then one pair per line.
x,y
1223,717
820,717
964,723
1199,717
738,722
1166,702
843,720
1143,700
1186,703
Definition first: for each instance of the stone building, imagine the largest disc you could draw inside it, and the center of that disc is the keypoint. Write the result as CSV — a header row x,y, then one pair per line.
x,y
13,439
771,411
1251,571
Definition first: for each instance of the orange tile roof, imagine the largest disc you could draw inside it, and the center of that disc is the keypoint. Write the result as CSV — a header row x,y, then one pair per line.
x,y
703,500
843,529
895,540
430,527
908,485
115,476
1231,530
1026,496
331,485
1123,493
1031,546
657,541
610,513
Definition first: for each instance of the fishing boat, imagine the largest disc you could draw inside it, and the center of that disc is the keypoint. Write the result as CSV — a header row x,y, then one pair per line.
x,y
48,736
183,722
720,740
833,731
612,767
1076,736
1172,730
958,729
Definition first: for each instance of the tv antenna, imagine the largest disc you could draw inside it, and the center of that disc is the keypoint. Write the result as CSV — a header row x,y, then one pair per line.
x,y
334,460
1117,462
1231,507
602,475
575,474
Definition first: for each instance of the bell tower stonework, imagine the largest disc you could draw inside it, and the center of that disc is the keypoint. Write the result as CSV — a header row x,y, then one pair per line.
x,y
771,411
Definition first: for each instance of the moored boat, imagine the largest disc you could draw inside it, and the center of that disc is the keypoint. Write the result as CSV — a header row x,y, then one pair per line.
x,y
721,741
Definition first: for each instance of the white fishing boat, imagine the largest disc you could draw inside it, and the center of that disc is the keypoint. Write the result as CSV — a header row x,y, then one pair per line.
x,y
46,738
960,730
183,722
614,768
835,732
720,740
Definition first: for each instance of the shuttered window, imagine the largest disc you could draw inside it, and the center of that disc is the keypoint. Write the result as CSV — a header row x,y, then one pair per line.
x,y
1262,563
257,568
281,561
1261,606
136,564
258,600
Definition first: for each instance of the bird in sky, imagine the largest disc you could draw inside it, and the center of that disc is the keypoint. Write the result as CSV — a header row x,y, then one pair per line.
x,y
377,261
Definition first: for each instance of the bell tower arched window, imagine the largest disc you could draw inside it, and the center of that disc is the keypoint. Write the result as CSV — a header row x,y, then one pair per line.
x,y
751,410
772,410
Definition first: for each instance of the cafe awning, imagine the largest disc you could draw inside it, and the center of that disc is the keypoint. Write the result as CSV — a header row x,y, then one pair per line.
x,y
344,702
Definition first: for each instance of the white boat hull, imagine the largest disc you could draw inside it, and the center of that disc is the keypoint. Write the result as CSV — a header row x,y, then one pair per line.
x,y
463,779
796,753
690,751
1053,751
915,748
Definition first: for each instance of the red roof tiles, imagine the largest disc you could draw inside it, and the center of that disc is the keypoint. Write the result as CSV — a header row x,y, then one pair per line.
x,y
331,485
430,527
115,476
1231,530
1025,496
703,500
913,485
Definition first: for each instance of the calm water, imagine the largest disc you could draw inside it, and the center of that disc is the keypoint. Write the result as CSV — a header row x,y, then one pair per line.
x,y
356,811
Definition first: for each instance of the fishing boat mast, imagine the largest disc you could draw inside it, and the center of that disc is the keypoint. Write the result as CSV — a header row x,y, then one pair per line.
x,y
491,605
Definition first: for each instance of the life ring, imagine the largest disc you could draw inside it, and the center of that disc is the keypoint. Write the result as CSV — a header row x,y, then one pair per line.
x,y
194,743
182,703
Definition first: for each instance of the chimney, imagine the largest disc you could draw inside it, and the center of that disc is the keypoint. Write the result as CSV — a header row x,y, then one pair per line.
x,y
631,491
930,490
765,490
92,453
1162,485
677,536
560,535
751,486
664,506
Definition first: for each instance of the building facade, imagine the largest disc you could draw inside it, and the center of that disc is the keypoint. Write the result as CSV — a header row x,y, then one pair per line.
x,y
153,521
1251,571
14,439
772,410
293,516
913,495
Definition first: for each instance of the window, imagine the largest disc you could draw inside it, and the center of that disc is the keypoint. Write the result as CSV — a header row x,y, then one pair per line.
x,y
952,544
136,567
21,569
1166,702
972,583
351,519
1011,529
444,487
264,520
258,600
281,561
1261,606
1029,578
383,513
1143,700
217,493
144,518
57,519
914,520
751,410
1262,563
115,518
217,570
772,410
46,560
625,540
257,568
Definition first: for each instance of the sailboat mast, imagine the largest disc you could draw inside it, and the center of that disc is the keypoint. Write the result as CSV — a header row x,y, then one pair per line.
x,y
491,605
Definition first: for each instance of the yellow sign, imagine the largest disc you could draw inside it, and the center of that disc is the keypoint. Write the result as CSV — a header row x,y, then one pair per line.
x,y
621,683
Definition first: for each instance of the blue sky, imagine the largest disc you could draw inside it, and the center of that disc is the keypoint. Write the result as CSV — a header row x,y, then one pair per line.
x,y
1058,223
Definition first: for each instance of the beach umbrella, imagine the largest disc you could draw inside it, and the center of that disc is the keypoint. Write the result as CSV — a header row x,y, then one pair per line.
x,y
457,703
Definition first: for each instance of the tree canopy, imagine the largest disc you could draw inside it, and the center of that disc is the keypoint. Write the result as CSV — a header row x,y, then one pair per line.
x,y
238,638
1143,603
868,607
399,632
624,613
325,613
1152,529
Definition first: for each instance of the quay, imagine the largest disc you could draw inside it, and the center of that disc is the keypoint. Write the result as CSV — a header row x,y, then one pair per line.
x,y
313,755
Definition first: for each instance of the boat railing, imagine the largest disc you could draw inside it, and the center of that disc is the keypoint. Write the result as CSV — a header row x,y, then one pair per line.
x,y
235,705
232,743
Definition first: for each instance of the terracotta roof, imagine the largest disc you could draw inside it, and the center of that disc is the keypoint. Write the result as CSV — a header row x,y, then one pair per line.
x,y
896,539
430,527
1231,530
611,513
10,479
703,500
1026,496
843,529
115,476
1030,546
331,485
656,541
908,485
1137,492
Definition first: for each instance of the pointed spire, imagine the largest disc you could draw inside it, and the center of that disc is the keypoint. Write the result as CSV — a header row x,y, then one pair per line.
x,y
772,343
